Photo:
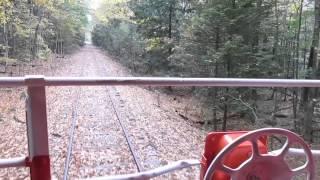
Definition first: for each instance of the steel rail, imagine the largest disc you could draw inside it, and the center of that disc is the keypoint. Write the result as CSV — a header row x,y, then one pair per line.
x,y
126,135
134,154
74,120
155,81
70,145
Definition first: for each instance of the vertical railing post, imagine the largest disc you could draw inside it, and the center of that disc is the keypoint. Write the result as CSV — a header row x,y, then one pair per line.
x,y
37,130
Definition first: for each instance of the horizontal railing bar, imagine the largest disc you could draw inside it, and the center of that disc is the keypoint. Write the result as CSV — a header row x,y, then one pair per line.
x,y
213,82
154,172
13,162
155,81
12,81
297,152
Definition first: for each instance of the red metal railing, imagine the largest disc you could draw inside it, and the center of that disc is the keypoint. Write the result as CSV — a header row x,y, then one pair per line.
x,y
37,132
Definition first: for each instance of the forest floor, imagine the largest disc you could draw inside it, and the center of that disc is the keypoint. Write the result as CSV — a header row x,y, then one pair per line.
x,y
162,127
158,134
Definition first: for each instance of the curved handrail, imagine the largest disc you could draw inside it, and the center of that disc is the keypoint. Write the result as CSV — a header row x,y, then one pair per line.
x,y
154,172
14,162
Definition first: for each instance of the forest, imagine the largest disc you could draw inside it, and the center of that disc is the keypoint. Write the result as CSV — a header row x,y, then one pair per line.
x,y
34,29
276,39
74,105
221,38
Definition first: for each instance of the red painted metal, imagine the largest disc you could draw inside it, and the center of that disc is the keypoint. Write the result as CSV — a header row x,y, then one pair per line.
x,y
216,141
262,165
37,130
40,168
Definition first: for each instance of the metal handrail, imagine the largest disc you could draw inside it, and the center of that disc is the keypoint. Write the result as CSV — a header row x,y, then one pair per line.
x,y
297,152
37,131
154,172
154,81
14,162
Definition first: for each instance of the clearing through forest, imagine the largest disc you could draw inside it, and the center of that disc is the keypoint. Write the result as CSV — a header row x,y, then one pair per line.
x,y
158,134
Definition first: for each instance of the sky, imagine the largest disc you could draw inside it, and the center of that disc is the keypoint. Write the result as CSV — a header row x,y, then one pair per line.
x,y
95,4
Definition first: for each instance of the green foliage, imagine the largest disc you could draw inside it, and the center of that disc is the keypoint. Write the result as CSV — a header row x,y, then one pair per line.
x,y
31,29
119,38
115,9
153,16
216,38
5,7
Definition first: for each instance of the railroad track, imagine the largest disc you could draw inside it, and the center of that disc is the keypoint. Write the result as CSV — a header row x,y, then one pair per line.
x,y
114,94
143,159
74,119
113,97
134,154
115,131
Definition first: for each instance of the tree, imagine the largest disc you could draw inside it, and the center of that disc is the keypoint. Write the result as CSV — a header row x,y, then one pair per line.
x,y
31,29
219,38
158,22
313,66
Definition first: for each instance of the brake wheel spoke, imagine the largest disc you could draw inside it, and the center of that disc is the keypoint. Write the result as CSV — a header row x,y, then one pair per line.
x,y
285,148
255,148
227,169
299,170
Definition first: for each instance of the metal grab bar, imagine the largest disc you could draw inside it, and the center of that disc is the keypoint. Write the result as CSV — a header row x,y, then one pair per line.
x,y
154,172
154,81
14,162
297,152
185,164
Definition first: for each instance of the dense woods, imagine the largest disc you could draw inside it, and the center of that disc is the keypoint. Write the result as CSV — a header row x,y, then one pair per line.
x,y
186,38
34,29
221,38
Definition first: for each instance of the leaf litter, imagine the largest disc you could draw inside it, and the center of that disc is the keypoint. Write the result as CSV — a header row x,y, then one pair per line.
x,y
158,134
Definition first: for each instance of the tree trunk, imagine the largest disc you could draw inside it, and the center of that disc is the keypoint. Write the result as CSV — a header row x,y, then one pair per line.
x,y
295,90
5,37
14,41
276,37
62,48
215,93
226,103
256,38
307,132
35,40
225,115
56,47
227,68
30,29
305,46
233,4
298,39
170,25
275,106
217,43
214,117
313,64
